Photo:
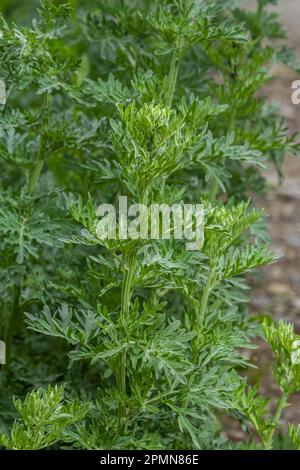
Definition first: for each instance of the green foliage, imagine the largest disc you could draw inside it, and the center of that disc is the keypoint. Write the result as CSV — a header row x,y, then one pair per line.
x,y
294,432
251,406
286,347
44,420
156,101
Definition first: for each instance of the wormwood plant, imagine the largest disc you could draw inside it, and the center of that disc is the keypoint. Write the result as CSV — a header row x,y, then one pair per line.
x,y
120,343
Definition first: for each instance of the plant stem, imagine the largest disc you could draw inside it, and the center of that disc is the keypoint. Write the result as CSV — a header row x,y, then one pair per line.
x,y
34,176
172,79
173,74
260,8
213,189
13,321
125,310
130,268
200,321
39,163
73,4
204,298
281,404
127,282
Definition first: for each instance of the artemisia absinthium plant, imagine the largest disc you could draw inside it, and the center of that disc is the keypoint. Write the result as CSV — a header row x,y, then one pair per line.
x,y
135,344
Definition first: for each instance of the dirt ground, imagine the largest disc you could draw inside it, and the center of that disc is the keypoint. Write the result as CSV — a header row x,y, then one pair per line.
x,y
277,291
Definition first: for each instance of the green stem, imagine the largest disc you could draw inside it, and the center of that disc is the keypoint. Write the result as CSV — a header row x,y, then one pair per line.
x,y
200,322
205,297
130,268
213,191
74,7
282,402
125,311
12,323
173,74
172,81
34,176
127,282
260,8
39,163
214,187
